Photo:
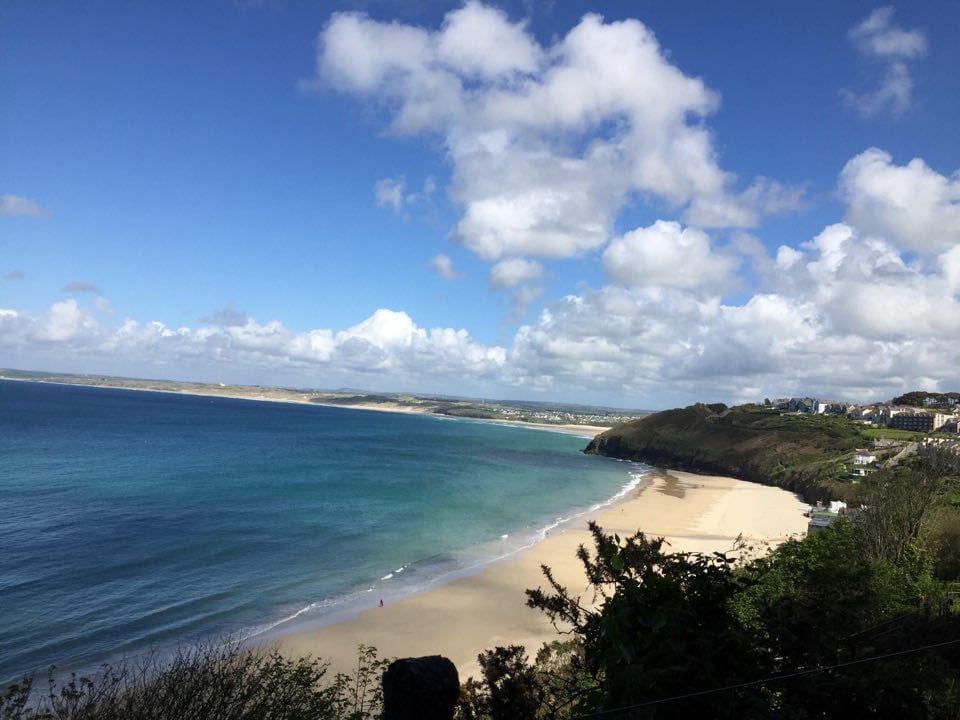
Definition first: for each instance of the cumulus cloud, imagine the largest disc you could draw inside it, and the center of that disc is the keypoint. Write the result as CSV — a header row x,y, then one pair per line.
x,y
744,210
665,255
514,271
443,266
864,286
912,204
878,37
845,314
865,309
388,345
547,142
834,337
80,286
65,321
17,206
890,47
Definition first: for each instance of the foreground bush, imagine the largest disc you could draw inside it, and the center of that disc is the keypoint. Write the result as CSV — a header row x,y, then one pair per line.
x,y
222,682
819,628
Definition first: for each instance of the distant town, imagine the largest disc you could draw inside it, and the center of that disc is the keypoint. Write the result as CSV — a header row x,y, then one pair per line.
x,y
915,412
898,427
508,411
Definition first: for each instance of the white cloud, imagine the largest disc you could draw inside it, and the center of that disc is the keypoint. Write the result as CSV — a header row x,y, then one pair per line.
x,y
950,267
912,205
443,266
15,205
64,321
547,142
847,314
391,191
387,347
744,210
471,32
667,256
877,36
514,271
863,286
855,312
879,40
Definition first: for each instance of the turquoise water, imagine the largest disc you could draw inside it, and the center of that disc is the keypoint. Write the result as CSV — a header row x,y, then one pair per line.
x,y
131,520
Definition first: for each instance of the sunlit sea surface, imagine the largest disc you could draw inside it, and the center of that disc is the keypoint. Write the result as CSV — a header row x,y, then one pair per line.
x,y
137,520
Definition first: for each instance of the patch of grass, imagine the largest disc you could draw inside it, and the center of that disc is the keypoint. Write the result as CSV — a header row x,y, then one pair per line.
x,y
892,434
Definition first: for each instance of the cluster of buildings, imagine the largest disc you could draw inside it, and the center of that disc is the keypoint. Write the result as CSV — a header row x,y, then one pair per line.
x,y
823,516
560,417
921,420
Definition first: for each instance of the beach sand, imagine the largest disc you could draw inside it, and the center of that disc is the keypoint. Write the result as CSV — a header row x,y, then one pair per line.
x,y
460,619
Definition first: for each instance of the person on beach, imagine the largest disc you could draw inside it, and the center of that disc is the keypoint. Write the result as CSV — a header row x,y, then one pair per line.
x,y
381,602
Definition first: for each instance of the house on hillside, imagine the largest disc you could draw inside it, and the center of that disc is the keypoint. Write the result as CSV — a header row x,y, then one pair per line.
x,y
806,405
822,517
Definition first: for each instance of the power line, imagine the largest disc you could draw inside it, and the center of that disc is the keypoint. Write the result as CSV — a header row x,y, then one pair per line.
x,y
772,678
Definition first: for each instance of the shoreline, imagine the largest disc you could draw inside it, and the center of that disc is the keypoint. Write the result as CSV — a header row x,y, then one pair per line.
x,y
476,612
296,398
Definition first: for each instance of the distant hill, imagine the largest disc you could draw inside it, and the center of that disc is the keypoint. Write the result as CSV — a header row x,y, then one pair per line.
x,y
802,453
921,398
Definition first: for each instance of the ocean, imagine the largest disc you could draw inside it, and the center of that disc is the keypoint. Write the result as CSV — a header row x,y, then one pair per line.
x,y
136,520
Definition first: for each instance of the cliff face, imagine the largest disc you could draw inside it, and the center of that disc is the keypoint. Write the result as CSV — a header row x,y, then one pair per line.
x,y
801,453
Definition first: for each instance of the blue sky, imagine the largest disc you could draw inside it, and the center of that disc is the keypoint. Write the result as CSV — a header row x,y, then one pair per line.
x,y
645,206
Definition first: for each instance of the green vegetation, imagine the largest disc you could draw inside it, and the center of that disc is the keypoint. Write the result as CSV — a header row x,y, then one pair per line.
x,y
213,682
891,434
354,400
855,621
466,411
919,398
803,453
850,622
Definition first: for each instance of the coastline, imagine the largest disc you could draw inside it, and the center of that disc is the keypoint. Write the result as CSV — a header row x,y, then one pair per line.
x,y
279,395
459,619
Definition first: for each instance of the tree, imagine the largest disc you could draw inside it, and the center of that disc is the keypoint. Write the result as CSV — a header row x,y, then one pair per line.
x,y
663,625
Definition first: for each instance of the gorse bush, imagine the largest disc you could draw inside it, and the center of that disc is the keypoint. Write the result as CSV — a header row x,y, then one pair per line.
x,y
211,682
820,628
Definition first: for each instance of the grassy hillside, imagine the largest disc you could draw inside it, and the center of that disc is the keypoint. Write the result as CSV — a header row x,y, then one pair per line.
x,y
804,453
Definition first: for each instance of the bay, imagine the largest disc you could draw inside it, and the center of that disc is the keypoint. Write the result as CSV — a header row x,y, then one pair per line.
x,y
131,520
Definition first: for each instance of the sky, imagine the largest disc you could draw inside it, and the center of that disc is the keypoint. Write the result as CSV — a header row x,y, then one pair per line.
x,y
635,204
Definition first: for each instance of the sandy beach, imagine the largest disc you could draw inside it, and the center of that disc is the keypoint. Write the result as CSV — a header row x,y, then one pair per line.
x,y
468,615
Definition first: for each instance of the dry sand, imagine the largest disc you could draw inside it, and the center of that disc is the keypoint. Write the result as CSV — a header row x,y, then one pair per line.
x,y
468,615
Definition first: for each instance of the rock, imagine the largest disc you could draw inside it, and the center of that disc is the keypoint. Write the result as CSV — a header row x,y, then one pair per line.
x,y
424,688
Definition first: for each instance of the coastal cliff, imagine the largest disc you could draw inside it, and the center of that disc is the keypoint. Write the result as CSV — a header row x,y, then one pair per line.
x,y
802,453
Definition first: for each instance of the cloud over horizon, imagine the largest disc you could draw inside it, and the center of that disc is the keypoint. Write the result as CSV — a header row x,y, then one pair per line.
x,y
617,207
864,310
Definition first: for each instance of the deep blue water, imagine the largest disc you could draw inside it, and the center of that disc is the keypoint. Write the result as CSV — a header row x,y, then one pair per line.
x,y
134,519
